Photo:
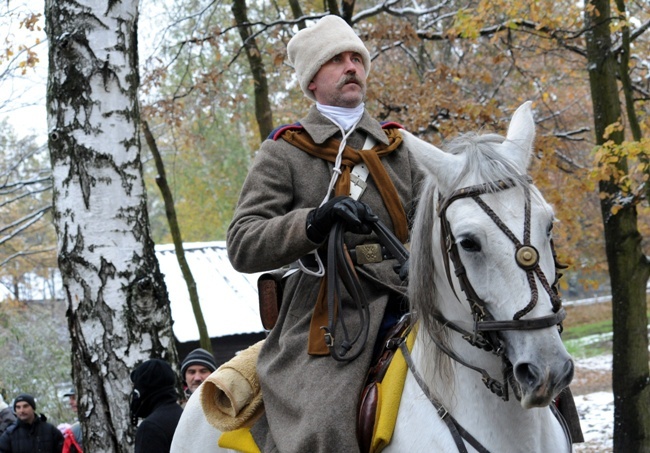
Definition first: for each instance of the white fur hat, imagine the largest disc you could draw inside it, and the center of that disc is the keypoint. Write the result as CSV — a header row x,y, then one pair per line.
x,y
312,47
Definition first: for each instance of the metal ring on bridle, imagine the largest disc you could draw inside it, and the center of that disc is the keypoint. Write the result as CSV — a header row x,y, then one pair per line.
x,y
527,257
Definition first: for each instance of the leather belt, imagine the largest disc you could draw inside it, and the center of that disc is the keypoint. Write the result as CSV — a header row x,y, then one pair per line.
x,y
361,254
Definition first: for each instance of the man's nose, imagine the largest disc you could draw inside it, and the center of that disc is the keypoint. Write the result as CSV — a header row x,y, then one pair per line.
x,y
350,67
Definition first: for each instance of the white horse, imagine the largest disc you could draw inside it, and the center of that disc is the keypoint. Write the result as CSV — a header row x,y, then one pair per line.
x,y
482,269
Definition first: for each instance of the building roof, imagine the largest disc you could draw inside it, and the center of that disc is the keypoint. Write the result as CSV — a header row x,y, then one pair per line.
x,y
228,298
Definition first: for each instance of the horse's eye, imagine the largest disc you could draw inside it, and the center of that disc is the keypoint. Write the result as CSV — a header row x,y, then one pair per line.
x,y
470,245
549,230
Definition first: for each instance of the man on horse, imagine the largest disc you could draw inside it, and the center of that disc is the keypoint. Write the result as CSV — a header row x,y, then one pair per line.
x,y
337,166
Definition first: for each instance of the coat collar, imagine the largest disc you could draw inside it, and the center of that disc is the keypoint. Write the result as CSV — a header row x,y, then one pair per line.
x,y
321,128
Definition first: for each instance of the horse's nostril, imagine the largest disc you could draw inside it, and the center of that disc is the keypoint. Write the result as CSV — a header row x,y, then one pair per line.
x,y
567,373
527,374
532,377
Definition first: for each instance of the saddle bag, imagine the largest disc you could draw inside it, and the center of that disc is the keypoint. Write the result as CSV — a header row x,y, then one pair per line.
x,y
269,289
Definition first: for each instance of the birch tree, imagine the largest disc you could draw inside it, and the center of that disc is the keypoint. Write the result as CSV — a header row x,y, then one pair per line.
x,y
118,309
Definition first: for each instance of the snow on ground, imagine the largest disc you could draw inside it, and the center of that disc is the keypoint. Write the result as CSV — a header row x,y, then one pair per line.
x,y
596,412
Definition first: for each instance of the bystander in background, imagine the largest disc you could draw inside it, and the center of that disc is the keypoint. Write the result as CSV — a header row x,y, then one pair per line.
x,y
31,432
73,440
197,366
7,416
154,398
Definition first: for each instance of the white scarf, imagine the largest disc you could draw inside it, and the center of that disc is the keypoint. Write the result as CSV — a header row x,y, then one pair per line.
x,y
343,117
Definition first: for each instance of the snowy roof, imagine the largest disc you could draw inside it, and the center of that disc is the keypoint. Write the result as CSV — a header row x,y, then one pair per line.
x,y
228,298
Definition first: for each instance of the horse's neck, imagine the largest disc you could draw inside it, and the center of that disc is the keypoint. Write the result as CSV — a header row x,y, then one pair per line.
x,y
496,423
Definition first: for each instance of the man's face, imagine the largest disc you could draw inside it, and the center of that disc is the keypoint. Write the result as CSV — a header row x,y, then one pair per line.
x,y
195,375
25,412
341,82
73,402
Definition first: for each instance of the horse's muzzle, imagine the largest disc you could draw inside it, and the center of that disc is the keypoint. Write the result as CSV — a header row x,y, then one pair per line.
x,y
538,387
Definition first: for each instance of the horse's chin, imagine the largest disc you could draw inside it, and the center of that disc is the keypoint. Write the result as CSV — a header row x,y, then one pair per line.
x,y
529,398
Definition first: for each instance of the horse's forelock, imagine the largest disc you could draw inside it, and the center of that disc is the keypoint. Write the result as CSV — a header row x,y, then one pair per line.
x,y
483,161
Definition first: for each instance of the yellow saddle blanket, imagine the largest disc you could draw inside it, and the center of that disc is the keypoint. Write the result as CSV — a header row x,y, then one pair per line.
x,y
390,395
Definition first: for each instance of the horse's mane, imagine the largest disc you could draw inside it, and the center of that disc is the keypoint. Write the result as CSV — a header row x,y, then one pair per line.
x,y
484,164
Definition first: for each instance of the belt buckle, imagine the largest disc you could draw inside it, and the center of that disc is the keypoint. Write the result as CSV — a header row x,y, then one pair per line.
x,y
369,253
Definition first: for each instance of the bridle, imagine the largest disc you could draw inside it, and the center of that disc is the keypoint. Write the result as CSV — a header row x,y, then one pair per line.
x,y
485,327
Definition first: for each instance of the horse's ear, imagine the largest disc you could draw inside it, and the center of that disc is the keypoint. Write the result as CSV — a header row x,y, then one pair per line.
x,y
521,136
443,166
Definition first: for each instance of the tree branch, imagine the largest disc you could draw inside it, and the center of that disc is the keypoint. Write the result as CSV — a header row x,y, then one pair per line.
x,y
23,223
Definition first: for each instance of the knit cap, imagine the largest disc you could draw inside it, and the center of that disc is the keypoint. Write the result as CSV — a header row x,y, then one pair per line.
x,y
198,357
29,399
314,46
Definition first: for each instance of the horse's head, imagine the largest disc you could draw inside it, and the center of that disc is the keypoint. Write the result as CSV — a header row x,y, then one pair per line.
x,y
483,234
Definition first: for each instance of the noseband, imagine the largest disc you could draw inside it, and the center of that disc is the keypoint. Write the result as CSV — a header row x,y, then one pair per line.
x,y
485,327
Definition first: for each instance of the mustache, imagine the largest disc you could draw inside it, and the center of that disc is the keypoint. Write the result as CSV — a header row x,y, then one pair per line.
x,y
349,78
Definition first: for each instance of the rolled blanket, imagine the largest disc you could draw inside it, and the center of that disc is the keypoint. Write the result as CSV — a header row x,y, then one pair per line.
x,y
231,396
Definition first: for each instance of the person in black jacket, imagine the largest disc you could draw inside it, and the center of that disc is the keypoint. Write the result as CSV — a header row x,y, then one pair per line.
x,y
31,433
154,398
7,416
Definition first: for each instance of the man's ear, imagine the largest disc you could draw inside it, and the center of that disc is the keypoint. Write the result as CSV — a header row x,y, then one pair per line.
x,y
311,86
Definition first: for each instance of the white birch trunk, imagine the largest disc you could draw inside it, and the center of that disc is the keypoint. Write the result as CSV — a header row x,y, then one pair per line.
x,y
118,309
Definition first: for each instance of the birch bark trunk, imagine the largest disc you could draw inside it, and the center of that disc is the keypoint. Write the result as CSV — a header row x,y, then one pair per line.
x,y
118,308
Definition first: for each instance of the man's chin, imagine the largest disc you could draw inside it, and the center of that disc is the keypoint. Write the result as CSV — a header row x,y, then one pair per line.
x,y
351,98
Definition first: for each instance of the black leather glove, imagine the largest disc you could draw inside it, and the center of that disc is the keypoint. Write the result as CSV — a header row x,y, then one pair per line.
x,y
355,215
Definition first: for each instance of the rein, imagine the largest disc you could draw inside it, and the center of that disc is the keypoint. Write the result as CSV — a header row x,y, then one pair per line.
x,y
341,269
457,431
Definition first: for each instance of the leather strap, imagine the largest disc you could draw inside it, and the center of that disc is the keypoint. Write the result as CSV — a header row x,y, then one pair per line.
x,y
315,343
341,270
457,431
360,172
563,423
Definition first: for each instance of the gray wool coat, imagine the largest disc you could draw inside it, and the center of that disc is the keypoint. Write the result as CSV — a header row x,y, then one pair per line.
x,y
311,402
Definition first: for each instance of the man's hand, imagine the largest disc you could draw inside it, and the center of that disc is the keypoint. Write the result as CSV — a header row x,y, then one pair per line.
x,y
355,215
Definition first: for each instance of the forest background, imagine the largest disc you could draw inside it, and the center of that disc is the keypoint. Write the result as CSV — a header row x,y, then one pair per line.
x,y
211,91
